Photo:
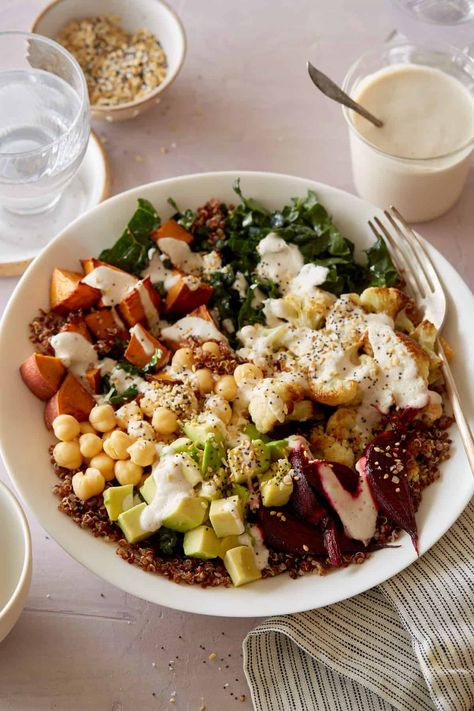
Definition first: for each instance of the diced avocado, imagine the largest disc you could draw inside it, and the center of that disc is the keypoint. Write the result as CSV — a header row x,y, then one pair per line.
x,y
303,410
277,448
227,543
243,493
226,517
213,454
199,432
189,512
118,499
148,489
129,522
248,459
180,445
190,470
252,432
201,542
276,486
241,566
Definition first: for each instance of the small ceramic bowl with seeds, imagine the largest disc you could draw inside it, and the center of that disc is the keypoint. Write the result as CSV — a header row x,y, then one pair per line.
x,y
130,52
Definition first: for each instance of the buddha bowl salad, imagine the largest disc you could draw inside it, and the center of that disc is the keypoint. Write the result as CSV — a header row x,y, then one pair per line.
x,y
234,395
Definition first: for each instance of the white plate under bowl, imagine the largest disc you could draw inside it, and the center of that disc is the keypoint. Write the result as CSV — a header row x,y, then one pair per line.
x,y
22,241
15,561
30,468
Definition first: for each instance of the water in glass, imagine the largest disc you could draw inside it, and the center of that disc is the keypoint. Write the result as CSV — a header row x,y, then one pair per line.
x,y
41,138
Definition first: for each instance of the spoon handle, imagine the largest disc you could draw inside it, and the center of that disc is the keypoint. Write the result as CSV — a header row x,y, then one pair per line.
x,y
333,91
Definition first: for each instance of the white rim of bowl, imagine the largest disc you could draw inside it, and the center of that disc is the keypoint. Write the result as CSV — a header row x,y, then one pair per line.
x,y
153,94
27,558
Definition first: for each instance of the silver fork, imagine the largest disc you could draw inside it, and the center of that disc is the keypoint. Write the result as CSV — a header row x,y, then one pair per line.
x,y
413,262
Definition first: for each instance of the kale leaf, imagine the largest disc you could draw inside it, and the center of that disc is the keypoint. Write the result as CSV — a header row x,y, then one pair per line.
x,y
130,252
116,398
186,218
167,540
381,269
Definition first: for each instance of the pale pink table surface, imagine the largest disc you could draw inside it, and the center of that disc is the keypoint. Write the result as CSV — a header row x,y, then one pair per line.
x,y
242,101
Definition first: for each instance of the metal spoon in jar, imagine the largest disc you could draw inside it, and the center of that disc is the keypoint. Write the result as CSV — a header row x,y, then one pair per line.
x,y
330,89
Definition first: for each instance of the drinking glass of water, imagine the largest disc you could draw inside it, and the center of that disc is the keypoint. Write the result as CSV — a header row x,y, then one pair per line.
x,y
44,122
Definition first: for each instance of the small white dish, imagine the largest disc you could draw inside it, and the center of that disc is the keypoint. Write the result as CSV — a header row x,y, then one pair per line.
x,y
442,502
15,561
21,239
153,15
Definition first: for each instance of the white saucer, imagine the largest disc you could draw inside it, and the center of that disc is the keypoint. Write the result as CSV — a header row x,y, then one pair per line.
x,y
21,240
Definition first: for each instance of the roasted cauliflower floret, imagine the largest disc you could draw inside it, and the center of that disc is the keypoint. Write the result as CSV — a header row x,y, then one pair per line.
x,y
325,446
425,334
382,299
433,410
346,320
299,311
403,322
130,412
178,397
334,391
341,423
418,353
270,401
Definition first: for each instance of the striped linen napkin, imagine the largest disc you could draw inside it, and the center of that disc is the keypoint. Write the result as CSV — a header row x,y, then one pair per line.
x,y
407,644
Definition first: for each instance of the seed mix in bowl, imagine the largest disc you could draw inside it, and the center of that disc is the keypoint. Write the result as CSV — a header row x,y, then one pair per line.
x,y
235,396
119,67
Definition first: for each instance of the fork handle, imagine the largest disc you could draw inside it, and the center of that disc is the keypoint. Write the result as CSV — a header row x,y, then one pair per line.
x,y
463,426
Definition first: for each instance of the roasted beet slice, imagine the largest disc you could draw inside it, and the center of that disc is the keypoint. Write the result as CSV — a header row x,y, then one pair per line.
x,y
303,500
384,463
282,531
331,541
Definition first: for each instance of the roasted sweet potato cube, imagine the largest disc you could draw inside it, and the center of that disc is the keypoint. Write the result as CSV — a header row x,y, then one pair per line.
x,y
78,326
163,377
92,263
93,379
182,298
67,293
42,374
133,307
202,312
106,323
71,399
136,352
171,228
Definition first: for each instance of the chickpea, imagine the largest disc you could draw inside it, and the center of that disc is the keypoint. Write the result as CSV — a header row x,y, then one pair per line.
x,y
183,358
247,373
102,417
104,464
211,347
141,430
66,427
142,452
219,407
164,421
116,445
226,387
67,455
126,472
90,445
205,381
86,428
88,484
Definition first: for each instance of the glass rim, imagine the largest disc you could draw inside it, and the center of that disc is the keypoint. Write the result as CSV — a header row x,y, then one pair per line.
x,y
440,49
83,97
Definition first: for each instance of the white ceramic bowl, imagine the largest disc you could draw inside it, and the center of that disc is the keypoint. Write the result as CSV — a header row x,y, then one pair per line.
x,y
30,467
154,15
15,560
